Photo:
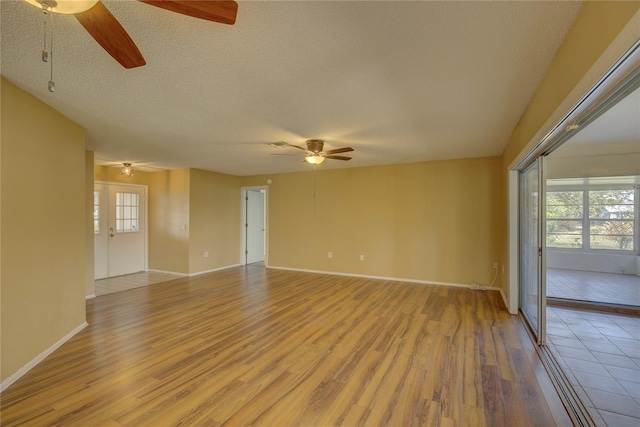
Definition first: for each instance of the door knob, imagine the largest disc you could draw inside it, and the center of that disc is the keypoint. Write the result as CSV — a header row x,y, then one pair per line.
x,y
111,235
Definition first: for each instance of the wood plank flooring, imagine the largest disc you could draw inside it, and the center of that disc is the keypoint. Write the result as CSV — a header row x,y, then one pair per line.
x,y
252,346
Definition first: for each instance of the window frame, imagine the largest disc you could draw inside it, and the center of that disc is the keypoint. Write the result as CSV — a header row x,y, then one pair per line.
x,y
127,212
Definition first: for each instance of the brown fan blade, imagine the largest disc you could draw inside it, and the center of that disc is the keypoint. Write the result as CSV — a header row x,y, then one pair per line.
x,y
222,11
108,32
337,157
339,150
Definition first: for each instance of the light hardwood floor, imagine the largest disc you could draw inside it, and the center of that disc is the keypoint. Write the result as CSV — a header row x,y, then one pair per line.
x,y
252,346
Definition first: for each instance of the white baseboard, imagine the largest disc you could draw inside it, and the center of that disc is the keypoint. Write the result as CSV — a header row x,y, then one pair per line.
x,y
39,358
90,296
151,270
395,279
213,270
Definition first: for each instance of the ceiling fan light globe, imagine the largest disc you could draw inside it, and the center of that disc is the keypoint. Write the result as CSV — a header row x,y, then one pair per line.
x,y
314,159
126,170
65,6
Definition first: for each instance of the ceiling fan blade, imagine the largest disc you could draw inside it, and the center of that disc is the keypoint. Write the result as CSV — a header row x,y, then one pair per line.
x,y
297,146
337,157
108,32
339,150
222,11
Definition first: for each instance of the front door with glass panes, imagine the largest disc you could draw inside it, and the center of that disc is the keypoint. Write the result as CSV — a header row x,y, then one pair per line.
x,y
119,229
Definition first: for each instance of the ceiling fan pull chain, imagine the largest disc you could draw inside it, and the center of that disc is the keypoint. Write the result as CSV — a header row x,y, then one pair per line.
x,y
314,190
45,53
52,85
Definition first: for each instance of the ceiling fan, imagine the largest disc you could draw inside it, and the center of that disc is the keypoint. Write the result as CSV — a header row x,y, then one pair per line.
x,y
107,31
315,155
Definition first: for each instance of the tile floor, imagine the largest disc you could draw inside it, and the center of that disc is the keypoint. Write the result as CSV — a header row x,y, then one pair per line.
x,y
600,353
131,281
590,286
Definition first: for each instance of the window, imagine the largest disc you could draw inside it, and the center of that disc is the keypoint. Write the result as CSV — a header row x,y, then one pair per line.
x,y
611,217
96,212
610,223
127,210
564,219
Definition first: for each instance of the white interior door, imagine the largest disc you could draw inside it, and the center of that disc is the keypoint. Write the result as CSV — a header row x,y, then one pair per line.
x,y
255,226
120,242
101,230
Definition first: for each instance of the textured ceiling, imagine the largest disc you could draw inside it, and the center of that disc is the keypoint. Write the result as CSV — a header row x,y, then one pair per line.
x,y
398,81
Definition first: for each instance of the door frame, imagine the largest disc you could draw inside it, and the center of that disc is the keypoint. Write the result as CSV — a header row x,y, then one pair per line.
x,y
146,215
243,221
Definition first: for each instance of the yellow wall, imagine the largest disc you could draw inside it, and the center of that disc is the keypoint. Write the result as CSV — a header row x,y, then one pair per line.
x,y
43,227
214,218
169,220
433,221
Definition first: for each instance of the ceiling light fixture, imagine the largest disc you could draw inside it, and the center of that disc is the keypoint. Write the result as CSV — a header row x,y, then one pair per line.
x,y
126,170
64,6
314,159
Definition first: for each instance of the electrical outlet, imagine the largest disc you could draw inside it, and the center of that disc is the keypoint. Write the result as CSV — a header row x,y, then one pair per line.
x,y
361,257
206,253
495,264
329,254
475,286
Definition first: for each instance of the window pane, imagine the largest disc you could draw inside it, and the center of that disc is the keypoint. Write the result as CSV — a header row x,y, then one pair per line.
x,y
610,211
565,204
564,233
616,235
611,214
565,210
96,226
127,212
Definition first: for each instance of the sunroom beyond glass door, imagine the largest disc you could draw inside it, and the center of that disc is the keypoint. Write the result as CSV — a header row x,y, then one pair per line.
x,y
531,249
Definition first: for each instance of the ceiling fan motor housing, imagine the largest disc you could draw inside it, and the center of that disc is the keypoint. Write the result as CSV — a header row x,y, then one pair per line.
x,y
315,145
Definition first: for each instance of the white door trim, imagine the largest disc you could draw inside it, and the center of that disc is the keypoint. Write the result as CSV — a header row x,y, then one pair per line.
x,y
243,221
146,215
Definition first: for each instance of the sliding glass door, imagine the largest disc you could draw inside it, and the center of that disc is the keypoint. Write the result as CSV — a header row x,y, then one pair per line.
x,y
532,247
